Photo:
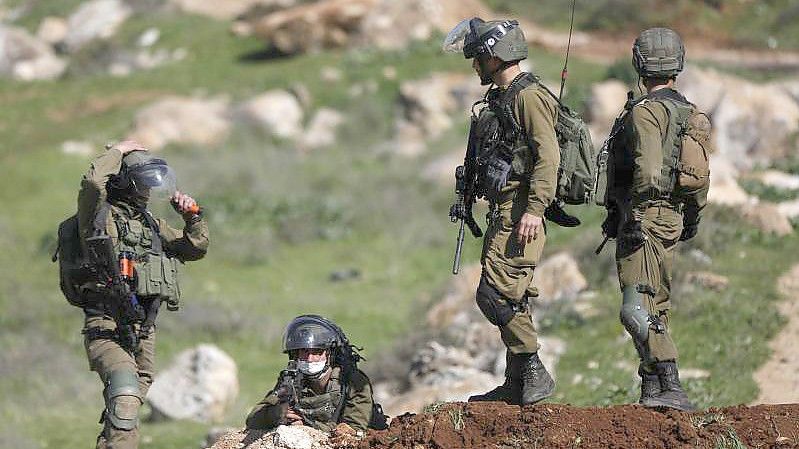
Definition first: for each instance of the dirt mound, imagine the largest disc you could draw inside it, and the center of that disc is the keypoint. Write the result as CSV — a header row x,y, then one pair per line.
x,y
554,426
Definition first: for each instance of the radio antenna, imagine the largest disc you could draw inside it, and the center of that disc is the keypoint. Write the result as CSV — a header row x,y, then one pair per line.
x,y
565,71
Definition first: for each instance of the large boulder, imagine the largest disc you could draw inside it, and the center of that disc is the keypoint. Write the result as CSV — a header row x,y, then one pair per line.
x,y
52,30
227,9
182,120
321,131
605,102
276,112
200,385
753,123
95,19
26,58
724,187
767,217
558,278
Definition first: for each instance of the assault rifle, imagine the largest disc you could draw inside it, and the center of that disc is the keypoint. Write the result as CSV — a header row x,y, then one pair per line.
x,y
124,306
289,385
465,188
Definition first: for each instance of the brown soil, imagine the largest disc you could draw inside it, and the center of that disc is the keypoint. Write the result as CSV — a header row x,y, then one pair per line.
x,y
555,426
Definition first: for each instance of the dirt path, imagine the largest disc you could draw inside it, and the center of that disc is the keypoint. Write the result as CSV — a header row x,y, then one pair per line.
x,y
558,426
778,378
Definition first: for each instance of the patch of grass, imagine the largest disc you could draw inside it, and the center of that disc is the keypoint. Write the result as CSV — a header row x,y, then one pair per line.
x,y
729,441
456,417
766,192
707,419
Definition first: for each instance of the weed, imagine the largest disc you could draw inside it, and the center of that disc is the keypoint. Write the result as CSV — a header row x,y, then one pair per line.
x,y
729,441
707,419
433,408
456,416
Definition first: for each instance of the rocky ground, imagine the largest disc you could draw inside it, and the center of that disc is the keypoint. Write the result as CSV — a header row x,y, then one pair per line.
x,y
556,426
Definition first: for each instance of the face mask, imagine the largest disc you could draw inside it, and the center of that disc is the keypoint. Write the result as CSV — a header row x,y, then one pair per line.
x,y
311,368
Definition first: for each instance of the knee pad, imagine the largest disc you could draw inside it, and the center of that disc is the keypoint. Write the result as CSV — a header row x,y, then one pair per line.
x,y
122,399
636,319
497,309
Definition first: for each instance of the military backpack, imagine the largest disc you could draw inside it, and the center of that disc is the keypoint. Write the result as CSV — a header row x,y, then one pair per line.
x,y
577,169
686,148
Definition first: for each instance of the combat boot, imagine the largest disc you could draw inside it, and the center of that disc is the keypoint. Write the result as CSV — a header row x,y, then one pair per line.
x,y
509,392
650,384
537,384
671,393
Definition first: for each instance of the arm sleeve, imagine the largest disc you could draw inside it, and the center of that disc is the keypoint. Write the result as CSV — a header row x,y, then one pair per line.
x,y
190,243
537,116
92,187
266,414
357,410
649,125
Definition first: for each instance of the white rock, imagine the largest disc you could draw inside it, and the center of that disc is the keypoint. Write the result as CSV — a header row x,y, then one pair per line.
x,y
777,179
293,437
200,385
276,111
789,209
149,37
77,148
724,187
606,101
182,120
283,437
26,58
558,277
95,19
321,131
52,30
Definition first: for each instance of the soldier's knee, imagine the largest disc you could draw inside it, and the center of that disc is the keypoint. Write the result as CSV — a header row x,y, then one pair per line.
x,y
634,315
497,309
122,399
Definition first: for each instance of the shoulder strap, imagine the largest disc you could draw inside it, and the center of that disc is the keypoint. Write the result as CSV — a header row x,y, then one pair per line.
x,y
343,386
157,244
101,218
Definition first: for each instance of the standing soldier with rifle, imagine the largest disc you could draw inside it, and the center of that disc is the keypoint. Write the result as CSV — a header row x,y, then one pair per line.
x,y
126,266
512,161
654,179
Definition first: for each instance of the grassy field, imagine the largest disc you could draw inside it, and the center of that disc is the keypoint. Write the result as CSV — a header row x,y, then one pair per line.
x,y
282,222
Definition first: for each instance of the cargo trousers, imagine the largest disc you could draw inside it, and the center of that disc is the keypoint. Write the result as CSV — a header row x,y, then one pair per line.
x,y
106,355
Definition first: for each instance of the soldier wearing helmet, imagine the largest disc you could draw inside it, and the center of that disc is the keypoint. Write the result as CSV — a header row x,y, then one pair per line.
x,y
113,202
516,158
655,197
321,386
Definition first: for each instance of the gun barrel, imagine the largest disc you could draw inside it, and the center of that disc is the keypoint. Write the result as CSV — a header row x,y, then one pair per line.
x,y
456,264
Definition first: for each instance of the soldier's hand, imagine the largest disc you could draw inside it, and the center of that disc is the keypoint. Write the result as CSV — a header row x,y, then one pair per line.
x,y
184,204
126,146
292,418
528,228
632,235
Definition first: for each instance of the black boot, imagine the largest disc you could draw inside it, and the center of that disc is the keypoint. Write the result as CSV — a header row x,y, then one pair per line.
x,y
511,391
650,384
671,393
537,384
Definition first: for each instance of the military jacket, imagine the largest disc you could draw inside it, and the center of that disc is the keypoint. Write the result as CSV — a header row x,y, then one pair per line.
x,y
535,154
318,409
131,231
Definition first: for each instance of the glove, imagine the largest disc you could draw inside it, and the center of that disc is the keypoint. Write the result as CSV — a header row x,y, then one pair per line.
x,y
610,227
632,235
689,231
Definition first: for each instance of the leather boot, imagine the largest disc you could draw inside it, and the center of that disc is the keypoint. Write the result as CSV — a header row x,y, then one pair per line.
x,y
671,393
650,384
509,392
537,384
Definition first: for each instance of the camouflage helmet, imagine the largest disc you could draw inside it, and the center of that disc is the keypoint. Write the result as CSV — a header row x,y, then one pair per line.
x,y
501,38
658,53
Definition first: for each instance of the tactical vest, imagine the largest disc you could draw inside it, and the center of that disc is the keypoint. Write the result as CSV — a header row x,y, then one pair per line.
x,y
686,150
323,408
503,146
156,271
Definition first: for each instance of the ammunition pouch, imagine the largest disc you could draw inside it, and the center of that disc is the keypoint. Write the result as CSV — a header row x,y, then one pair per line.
x,y
157,276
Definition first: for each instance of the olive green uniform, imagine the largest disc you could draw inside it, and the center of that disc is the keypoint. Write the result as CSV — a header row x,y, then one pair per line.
x,y
636,190
508,266
157,274
318,409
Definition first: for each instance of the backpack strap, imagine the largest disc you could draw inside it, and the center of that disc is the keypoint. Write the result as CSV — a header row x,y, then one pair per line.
x,y
679,112
157,243
101,218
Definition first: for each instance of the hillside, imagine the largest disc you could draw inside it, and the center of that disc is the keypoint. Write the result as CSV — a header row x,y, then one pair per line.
x,y
354,227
